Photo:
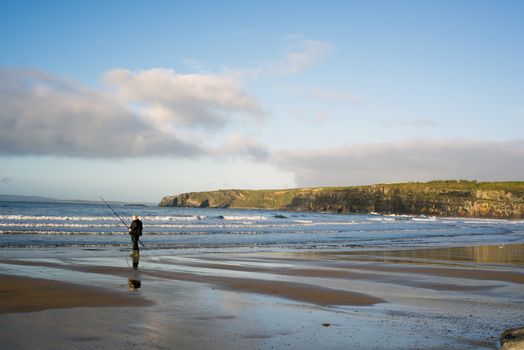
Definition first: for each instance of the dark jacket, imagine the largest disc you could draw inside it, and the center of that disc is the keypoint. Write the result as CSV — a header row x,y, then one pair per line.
x,y
136,228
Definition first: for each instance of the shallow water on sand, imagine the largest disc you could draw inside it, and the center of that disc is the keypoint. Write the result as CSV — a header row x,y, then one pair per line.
x,y
306,299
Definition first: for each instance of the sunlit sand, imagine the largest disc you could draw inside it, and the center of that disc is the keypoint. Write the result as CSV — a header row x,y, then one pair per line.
x,y
445,298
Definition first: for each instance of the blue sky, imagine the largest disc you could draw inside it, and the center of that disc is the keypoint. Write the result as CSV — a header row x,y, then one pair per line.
x,y
137,100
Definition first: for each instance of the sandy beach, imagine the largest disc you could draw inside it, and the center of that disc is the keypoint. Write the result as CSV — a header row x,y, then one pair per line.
x,y
443,298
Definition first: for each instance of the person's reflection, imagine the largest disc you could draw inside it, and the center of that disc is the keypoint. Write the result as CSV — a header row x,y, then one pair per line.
x,y
136,260
132,282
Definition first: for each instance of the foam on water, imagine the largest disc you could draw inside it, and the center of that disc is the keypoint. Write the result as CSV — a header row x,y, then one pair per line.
x,y
55,218
242,218
82,225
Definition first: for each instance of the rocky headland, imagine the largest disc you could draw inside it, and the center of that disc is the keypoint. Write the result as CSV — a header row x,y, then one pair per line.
x,y
504,200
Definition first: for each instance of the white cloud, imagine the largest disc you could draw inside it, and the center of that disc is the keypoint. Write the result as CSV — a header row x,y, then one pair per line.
x,y
416,160
243,73
303,54
242,146
412,123
159,112
169,99
44,115
300,54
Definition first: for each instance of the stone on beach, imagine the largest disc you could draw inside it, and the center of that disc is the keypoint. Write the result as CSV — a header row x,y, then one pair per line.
x,y
512,339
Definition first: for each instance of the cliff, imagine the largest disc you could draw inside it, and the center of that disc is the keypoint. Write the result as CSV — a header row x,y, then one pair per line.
x,y
503,200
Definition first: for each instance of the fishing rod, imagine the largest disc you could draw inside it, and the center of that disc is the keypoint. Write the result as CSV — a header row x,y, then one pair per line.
x,y
118,216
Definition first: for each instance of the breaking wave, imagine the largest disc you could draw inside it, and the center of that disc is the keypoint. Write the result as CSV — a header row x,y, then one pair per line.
x,y
60,225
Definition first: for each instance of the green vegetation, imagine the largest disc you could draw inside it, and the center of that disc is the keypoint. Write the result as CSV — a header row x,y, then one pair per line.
x,y
441,198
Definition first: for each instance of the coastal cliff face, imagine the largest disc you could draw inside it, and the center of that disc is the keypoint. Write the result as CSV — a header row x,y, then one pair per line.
x,y
440,198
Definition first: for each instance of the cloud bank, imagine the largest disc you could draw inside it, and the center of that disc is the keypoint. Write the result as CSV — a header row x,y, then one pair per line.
x,y
41,114
416,160
153,112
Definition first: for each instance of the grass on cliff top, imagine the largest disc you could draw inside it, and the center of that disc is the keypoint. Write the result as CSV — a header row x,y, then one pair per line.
x,y
462,185
516,187
238,198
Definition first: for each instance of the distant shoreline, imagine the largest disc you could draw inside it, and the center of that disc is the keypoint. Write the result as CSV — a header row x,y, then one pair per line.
x,y
39,199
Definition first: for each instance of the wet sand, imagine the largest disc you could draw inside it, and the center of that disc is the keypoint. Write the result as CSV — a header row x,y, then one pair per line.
x,y
23,294
447,298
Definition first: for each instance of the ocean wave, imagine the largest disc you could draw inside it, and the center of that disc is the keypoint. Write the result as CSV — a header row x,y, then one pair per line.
x,y
99,233
56,218
62,233
492,221
27,225
98,218
168,227
430,218
406,218
174,218
93,226
240,218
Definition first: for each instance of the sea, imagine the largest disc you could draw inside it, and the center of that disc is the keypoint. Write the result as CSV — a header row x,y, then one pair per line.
x,y
65,226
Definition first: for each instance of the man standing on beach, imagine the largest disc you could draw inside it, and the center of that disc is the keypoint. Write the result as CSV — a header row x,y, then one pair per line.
x,y
135,231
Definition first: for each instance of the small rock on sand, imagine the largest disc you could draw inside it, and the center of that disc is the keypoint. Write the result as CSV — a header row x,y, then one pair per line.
x,y
512,339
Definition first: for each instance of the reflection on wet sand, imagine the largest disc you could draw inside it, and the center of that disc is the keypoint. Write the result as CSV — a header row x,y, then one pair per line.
x,y
27,294
495,254
295,299
504,254
136,259
132,282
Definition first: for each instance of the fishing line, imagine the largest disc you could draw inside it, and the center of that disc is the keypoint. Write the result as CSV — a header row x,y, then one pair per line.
x,y
118,216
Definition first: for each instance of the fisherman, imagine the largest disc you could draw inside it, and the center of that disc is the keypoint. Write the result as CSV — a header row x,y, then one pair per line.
x,y
135,230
